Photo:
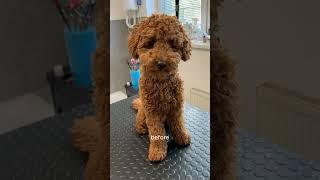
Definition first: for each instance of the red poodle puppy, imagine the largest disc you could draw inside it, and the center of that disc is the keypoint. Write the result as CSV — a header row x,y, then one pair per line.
x,y
160,43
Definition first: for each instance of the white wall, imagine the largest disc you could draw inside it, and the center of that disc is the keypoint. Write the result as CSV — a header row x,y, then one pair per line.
x,y
196,71
116,10
272,40
31,44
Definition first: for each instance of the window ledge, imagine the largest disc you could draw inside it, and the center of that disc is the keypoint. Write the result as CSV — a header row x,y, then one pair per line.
x,y
200,45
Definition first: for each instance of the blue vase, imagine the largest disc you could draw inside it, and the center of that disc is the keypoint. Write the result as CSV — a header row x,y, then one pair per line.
x,y
81,46
135,77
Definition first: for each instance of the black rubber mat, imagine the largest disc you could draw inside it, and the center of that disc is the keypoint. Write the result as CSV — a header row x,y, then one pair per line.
x,y
257,159
260,160
43,150
129,151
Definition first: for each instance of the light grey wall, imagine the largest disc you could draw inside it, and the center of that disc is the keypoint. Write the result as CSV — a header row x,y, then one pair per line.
x,y
276,41
31,42
119,71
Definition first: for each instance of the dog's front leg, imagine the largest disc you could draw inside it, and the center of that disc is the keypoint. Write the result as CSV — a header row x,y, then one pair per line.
x,y
157,132
179,132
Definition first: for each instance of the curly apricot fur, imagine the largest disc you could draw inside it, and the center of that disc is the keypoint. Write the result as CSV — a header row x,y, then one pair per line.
x,y
160,38
91,134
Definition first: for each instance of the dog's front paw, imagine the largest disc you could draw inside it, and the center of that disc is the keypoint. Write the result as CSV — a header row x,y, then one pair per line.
x,y
183,139
157,153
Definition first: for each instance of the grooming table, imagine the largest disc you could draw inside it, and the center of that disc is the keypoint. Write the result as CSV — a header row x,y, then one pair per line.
x,y
129,151
257,159
43,150
260,160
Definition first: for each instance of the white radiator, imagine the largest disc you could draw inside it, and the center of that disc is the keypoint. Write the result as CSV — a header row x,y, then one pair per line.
x,y
290,119
200,98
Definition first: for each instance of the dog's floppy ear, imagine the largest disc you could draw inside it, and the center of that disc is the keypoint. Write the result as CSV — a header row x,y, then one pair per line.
x,y
186,48
133,41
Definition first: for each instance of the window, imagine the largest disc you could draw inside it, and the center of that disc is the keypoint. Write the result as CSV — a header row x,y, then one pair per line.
x,y
188,10
168,7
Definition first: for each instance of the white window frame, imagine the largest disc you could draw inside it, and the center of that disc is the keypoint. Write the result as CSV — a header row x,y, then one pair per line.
x,y
205,15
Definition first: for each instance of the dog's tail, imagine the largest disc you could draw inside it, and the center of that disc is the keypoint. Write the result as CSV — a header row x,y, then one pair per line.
x,y
136,104
85,134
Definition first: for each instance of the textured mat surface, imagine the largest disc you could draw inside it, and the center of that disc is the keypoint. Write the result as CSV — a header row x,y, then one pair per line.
x,y
129,151
261,160
43,150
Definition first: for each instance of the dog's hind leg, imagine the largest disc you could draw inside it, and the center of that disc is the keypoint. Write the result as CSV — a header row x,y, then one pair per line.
x,y
136,104
141,126
179,132
85,134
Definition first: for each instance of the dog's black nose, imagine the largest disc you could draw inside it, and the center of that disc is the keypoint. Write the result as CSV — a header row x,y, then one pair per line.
x,y
161,65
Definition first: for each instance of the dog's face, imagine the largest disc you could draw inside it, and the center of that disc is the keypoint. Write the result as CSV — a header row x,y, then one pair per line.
x,y
160,43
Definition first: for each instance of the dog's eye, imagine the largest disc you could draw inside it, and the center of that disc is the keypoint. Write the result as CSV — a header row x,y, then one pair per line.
x,y
149,44
173,44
